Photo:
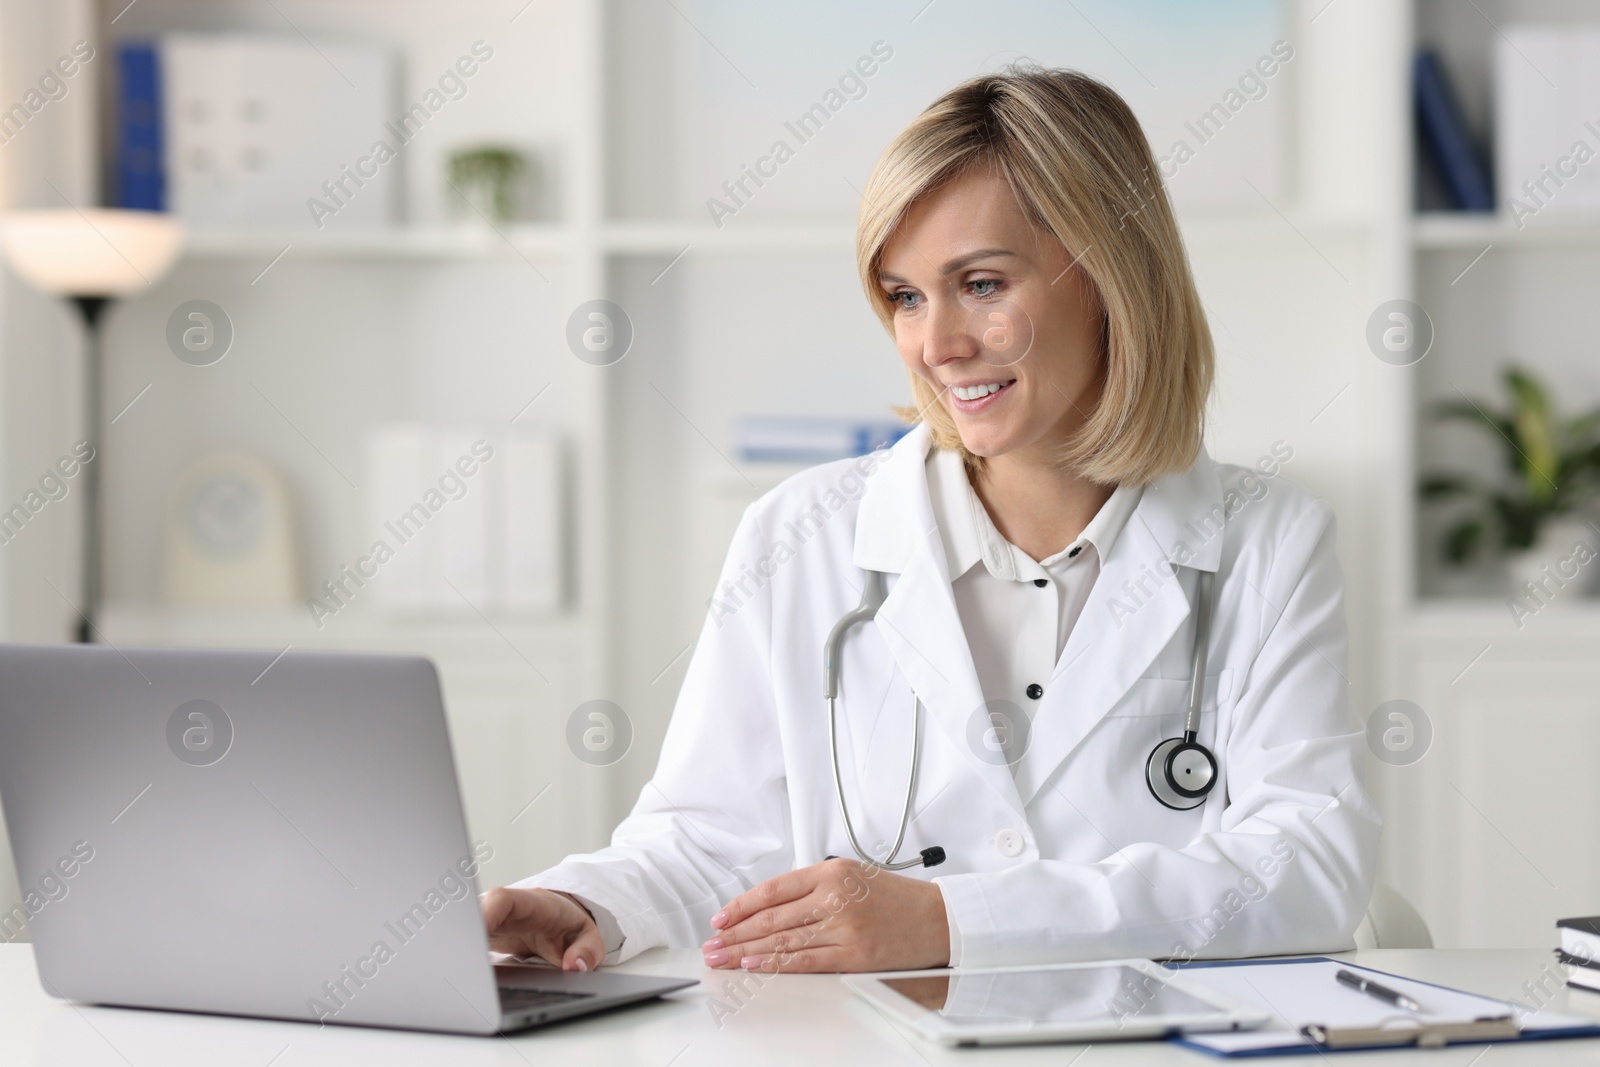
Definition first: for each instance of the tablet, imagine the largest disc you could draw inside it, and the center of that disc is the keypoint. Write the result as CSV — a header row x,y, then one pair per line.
x,y
1104,1001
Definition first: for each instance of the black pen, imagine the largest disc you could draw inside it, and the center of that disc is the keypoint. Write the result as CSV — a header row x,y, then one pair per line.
x,y
1373,989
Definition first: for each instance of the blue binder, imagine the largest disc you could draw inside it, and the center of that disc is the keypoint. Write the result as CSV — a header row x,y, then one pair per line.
x,y
140,180
1445,132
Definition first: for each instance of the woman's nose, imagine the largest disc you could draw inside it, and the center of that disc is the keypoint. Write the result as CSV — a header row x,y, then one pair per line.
x,y
948,336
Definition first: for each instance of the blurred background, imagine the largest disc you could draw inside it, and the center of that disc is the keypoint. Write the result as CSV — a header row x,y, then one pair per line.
x,y
469,328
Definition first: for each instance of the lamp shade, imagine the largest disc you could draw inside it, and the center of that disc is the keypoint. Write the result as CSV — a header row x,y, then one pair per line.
x,y
93,252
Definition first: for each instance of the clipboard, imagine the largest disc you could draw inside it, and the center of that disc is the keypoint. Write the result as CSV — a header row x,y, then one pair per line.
x,y
1312,1013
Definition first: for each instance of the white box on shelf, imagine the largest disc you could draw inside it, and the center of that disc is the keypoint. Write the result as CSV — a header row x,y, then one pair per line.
x,y
393,478
1547,119
269,130
472,519
531,527
464,532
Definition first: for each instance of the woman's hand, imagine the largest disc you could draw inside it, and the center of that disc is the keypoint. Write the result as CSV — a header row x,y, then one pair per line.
x,y
838,915
543,923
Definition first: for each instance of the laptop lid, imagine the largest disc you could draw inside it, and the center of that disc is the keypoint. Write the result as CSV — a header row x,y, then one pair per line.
x,y
223,831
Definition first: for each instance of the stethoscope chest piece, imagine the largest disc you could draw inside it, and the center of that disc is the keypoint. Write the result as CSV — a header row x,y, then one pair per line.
x,y
1181,771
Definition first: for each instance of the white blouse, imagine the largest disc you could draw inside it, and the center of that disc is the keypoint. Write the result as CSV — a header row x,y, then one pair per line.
x,y
1017,612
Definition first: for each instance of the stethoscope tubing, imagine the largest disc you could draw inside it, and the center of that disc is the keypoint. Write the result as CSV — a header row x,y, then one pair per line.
x,y
1202,640
1159,771
888,863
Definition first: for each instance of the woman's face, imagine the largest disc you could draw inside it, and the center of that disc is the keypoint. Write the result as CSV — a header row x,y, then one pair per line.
x,y
992,313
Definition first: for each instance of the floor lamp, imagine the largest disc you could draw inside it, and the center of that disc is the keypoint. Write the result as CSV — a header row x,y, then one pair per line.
x,y
91,257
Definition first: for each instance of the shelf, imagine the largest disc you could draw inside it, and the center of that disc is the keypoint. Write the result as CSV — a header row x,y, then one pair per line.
x,y
673,238
477,242
467,636
653,238
1470,231
455,242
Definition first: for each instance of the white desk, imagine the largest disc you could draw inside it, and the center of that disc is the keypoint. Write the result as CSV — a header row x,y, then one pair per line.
x,y
792,1019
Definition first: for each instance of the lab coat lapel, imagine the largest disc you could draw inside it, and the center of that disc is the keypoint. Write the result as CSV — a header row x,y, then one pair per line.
x,y
896,533
1123,627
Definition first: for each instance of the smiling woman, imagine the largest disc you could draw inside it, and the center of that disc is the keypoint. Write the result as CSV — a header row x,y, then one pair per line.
x,y
1097,784
1063,240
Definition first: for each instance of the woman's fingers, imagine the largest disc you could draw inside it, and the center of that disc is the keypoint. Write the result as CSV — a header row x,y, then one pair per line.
x,y
509,915
733,955
799,913
787,910
537,922
759,953
769,894
585,952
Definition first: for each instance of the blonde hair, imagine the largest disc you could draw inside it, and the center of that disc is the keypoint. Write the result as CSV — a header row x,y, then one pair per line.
x,y
1075,157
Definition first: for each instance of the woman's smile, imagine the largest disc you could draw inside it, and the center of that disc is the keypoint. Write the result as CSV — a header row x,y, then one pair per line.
x,y
969,398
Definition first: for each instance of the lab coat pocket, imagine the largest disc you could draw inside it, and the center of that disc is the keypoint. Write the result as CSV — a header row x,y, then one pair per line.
x,y
1108,777
1150,696
1154,710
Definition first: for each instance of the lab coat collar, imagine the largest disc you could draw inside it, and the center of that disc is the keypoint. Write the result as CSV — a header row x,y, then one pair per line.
x,y
970,536
1181,511
1117,637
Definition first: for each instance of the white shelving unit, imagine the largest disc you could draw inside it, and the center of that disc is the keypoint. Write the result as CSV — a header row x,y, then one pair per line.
x,y
336,331
1479,833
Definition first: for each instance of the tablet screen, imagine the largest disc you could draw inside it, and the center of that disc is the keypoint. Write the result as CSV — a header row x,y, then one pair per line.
x,y
1079,994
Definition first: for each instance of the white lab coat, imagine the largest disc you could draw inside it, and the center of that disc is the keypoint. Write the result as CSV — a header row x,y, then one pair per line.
x,y
1070,857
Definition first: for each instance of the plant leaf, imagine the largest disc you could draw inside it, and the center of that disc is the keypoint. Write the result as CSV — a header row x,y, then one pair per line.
x,y
1534,432
1439,486
1462,540
1519,520
1469,409
1582,426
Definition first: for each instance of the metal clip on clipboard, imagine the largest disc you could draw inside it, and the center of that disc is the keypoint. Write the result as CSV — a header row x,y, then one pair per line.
x,y
1421,1035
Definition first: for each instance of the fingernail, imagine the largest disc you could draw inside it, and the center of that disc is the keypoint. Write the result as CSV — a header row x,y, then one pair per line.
x,y
750,963
715,942
583,964
716,958
719,920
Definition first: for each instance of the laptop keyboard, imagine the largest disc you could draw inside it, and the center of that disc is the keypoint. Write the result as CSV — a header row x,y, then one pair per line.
x,y
522,999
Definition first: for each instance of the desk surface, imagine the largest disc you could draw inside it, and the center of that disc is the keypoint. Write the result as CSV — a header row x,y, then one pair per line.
x,y
801,1019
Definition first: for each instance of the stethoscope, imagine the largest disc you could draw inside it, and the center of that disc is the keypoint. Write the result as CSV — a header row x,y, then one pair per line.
x,y
1181,771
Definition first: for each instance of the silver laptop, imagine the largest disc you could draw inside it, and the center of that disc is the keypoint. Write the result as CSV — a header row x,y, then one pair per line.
x,y
191,833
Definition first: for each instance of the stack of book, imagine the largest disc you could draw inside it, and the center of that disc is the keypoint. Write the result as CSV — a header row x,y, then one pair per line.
x,y
804,439
1450,147
1580,950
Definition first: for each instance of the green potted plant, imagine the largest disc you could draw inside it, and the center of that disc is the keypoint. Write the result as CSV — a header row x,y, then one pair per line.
x,y
1533,511
486,179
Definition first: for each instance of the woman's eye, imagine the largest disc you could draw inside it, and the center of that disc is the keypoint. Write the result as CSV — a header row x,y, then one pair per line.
x,y
905,299
985,286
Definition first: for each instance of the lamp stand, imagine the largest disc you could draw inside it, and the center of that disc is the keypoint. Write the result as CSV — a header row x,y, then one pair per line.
x,y
90,309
